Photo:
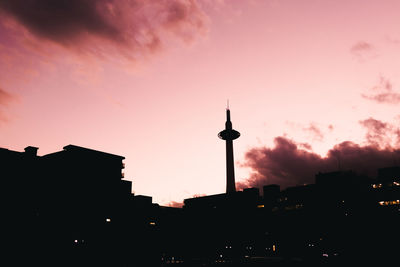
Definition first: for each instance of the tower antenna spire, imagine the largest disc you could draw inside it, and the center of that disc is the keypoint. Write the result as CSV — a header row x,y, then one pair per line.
x,y
227,103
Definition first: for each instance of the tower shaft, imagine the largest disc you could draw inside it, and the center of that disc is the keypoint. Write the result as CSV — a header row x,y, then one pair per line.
x,y
230,169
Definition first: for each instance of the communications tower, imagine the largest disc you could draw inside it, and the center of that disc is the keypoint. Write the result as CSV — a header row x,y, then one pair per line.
x,y
229,135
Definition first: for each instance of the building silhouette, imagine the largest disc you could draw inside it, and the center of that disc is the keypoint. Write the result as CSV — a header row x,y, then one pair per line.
x,y
72,208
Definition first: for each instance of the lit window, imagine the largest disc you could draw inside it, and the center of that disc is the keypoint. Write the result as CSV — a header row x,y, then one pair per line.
x,y
108,220
376,185
152,223
389,202
260,206
273,248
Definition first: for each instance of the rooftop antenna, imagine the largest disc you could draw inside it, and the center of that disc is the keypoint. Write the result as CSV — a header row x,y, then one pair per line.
x,y
227,104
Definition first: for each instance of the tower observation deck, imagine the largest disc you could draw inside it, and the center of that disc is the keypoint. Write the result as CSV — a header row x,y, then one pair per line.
x,y
229,135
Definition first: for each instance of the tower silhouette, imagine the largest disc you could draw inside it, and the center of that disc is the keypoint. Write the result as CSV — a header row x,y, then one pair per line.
x,y
229,135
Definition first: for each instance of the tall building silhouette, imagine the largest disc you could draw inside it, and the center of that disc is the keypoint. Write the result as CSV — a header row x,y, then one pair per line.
x,y
229,135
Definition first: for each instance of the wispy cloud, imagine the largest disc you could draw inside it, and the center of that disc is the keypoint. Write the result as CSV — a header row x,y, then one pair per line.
x,y
315,132
363,50
5,99
383,92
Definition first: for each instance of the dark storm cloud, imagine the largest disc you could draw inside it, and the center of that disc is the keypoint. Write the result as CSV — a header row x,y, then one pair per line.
x,y
129,24
287,164
62,19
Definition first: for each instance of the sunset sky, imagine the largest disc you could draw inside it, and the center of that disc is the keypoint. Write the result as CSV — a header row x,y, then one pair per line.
x,y
149,80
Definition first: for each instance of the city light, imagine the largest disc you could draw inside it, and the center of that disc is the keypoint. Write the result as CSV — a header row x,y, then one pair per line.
x,y
389,202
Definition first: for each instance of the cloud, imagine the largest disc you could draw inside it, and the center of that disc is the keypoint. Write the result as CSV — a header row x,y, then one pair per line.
x,y
381,134
383,92
362,49
61,20
315,132
128,27
287,164
361,46
305,146
5,99
389,98
377,132
392,40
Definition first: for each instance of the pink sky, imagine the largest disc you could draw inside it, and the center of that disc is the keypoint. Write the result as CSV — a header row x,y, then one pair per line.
x,y
150,81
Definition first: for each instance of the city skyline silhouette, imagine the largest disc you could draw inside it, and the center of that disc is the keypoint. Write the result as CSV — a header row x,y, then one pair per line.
x,y
111,116
75,74
73,208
